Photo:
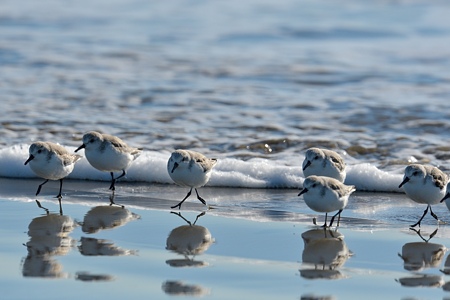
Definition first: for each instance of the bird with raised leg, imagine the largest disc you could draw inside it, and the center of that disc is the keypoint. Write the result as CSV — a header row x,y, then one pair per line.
x,y
108,153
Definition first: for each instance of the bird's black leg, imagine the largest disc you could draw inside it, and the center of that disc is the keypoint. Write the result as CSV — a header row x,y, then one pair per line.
x,y
113,180
435,216
332,219
200,198
181,202
60,189
420,220
325,224
40,186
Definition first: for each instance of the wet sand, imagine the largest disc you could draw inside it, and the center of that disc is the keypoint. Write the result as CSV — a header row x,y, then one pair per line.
x,y
258,251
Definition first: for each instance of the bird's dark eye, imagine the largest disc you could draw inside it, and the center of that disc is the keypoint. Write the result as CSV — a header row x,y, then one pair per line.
x,y
415,173
314,185
39,151
91,140
316,157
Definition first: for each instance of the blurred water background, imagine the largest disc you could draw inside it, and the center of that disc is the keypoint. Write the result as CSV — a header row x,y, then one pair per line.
x,y
254,82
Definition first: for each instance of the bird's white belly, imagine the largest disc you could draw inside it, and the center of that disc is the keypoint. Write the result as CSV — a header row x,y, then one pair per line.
x,y
325,204
53,170
193,177
108,160
424,195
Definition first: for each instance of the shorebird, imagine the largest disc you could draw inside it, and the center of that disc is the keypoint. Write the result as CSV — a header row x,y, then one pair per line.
x,y
191,169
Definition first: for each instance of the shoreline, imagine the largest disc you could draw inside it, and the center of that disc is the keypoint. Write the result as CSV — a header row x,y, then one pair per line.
x,y
249,255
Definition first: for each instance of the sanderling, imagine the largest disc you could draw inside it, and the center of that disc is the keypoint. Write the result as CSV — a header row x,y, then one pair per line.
x,y
322,162
190,168
425,185
108,153
447,197
51,161
325,194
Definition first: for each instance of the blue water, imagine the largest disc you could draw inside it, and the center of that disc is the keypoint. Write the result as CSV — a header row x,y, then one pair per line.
x,y
252,83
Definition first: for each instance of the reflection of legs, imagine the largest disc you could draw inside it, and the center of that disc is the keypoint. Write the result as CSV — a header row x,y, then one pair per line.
x,y
339,218
424,213
181,202
46,209
198,216
187,221
40,186
40,206
112,202
420,235
179,214
60,206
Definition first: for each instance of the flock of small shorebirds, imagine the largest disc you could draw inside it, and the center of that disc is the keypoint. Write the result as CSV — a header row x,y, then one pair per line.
x,y
324,170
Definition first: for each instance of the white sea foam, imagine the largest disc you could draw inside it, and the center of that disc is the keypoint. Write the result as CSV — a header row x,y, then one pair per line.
x,y
229,172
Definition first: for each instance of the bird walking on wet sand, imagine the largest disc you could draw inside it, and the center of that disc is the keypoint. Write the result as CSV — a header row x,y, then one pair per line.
x,y
323,162
191,169
425,185
108,153
52,162
326,194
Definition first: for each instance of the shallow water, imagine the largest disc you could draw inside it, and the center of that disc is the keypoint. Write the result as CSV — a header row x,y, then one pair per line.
x,y
126,254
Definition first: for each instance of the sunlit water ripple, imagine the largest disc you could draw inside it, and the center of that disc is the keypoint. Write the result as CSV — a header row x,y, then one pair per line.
x,y
239,81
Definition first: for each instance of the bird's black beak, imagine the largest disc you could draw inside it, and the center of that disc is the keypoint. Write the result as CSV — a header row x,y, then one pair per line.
x,y
29,159
404,181
446,197
175,165
302,192
308,163
81,147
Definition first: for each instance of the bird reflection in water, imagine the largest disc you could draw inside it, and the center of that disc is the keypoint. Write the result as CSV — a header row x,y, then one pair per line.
x,y
179,288
188,240
49,237
85,276
418,256
325,251
106,217
100,218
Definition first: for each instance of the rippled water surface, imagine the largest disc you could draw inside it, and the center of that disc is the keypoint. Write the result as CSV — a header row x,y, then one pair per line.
x,y
243,79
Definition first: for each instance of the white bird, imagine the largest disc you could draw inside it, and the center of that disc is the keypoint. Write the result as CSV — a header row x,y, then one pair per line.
x,y
425,185
51,161
191,169
108,153
325,194
322,162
